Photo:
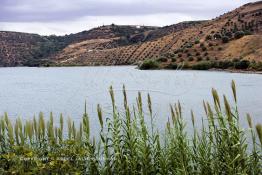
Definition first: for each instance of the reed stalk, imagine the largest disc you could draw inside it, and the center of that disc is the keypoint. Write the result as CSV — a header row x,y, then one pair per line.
x,y
130,143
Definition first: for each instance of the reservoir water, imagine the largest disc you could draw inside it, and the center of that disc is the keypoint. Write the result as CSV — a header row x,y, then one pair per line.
x,y
26,91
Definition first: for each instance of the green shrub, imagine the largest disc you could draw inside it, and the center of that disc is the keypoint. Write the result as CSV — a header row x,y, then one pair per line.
x,y
204,49
168,55
162,59
224,64
173,59
256,66
247,32
171,66
236,60
203,65
190,58
37,62
217,36
225,39
229,34
243,64
149,64
185,65
208,37
239,34
197,41
199,58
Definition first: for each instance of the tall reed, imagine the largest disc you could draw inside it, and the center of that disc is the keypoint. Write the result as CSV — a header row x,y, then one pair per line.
x,y
129,144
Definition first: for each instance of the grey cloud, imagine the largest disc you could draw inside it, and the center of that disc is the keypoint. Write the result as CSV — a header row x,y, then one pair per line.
x,y
64,10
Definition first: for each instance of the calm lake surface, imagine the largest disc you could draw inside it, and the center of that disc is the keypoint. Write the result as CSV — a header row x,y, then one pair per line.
x,y
25,92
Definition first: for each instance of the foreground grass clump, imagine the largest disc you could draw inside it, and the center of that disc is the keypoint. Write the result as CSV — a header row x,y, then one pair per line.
x,y
128,144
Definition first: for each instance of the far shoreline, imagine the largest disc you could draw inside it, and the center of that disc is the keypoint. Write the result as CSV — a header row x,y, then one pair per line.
x,y
236,71
137,67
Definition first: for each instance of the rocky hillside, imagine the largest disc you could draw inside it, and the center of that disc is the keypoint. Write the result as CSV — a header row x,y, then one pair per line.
x,y
236,35
23,49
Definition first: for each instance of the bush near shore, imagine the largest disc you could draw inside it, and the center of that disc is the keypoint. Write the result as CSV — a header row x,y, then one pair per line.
x,y
149,64
200,64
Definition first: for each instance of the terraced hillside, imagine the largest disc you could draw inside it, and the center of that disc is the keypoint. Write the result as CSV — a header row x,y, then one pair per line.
x,y
122,50
235,35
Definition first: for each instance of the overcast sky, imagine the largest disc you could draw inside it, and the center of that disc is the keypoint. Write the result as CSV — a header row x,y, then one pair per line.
x,y
70,16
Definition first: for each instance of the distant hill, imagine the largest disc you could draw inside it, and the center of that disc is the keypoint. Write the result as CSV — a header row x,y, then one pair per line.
x,y
24,49
233,35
